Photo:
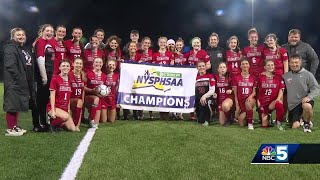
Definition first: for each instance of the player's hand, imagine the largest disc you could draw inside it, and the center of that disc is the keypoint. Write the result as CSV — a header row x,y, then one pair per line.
x,y
263,73
44,81
229,91
306,99
215,95
53,114
203,101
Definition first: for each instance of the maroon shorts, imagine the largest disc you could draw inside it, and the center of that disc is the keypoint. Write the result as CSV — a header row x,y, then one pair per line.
x,y
63,108
109,102
242,105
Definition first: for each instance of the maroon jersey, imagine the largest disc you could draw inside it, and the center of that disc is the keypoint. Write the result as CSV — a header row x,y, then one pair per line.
x,y
93,80
146,56
113,82
180,59
269,88
162,58
59,54
89,57
77,85
73,50
244,85
233,62
203,84
255,55
113,55
278,57
63,92
194,57
222,85
45,49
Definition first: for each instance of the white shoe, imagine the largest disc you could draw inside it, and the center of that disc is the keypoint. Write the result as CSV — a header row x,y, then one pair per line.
x,y
306,128
250,127
93,124
13,132
19,129
205,123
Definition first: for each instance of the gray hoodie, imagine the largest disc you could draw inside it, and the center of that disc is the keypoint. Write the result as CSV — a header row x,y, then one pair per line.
x,y
310,60
300,85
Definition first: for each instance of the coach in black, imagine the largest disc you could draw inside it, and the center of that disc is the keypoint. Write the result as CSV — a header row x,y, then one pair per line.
x,y
310,60
216,53
302,88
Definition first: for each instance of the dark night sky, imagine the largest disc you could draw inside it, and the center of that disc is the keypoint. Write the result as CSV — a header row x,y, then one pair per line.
x,y
171,18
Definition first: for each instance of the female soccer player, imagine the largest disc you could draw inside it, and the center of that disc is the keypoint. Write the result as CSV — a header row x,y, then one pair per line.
x,y
244,88
59,105
180,58
224,93
270,93
109,103
91,54
277,54
78,82
205,87
100,35
112,50
92,98
58,45
45,59
163,56
233,56
196,53
146,52
74,46
254,53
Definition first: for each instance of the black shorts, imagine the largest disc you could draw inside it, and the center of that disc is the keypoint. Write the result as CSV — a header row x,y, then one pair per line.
x,y
296,113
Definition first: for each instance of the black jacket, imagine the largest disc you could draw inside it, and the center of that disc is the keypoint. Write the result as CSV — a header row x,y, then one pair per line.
x,y
217,55
16,85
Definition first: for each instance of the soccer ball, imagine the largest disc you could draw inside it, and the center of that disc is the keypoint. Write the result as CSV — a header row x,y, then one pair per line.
x,y
103,90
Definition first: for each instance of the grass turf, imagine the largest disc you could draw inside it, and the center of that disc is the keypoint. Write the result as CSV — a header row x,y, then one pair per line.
x,y
152,150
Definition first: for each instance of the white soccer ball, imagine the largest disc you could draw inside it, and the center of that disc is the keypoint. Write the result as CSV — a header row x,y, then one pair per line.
x,y
103,90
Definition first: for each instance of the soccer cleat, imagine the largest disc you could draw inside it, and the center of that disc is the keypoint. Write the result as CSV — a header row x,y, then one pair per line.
x,y
250,127
205,123
19,129
13,132
93,124
306,128
280,127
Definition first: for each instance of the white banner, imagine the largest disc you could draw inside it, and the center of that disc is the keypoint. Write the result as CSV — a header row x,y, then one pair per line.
x,y
152,87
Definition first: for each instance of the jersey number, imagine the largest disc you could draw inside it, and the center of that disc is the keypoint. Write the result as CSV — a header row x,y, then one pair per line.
x,y
245,90
268,92
78,92
234,65
222,90
65,96
254,60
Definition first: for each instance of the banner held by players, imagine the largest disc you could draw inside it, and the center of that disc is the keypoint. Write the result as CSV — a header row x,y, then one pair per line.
x,y
152,87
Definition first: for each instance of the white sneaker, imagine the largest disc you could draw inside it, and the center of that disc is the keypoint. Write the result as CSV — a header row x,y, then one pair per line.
x,y
250,127
19,129
205,123
13,132
306,128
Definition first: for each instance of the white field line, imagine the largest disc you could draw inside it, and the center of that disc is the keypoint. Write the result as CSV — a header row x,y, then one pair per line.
x,y
70,172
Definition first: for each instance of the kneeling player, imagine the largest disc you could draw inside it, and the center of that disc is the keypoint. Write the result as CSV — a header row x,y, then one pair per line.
x,y
270,95
78,82
59,102
109,103
205,87
244,87
224,93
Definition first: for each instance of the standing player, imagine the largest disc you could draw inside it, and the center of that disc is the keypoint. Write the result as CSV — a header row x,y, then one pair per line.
x,y
59,104
99,33
254,53
244,88
180,58
270,94
205,87
92,53
109,103
45,60
277,54
78,82
224,93
163,56
216,53
233,56
197,53
74,46
171,45
134,37
146,52
112,51
59,48
92,98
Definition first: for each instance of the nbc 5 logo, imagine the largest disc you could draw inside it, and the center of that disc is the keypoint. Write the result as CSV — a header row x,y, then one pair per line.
x,y
282,153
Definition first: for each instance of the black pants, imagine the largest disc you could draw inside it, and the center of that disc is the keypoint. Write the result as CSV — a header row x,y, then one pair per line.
x,y
33,105
43,95
203,112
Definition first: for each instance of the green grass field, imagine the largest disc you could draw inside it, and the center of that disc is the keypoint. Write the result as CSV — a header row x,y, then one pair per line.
x,y
152,150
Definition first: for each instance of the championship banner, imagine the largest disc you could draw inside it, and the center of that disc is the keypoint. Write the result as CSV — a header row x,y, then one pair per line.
x,y
152,87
